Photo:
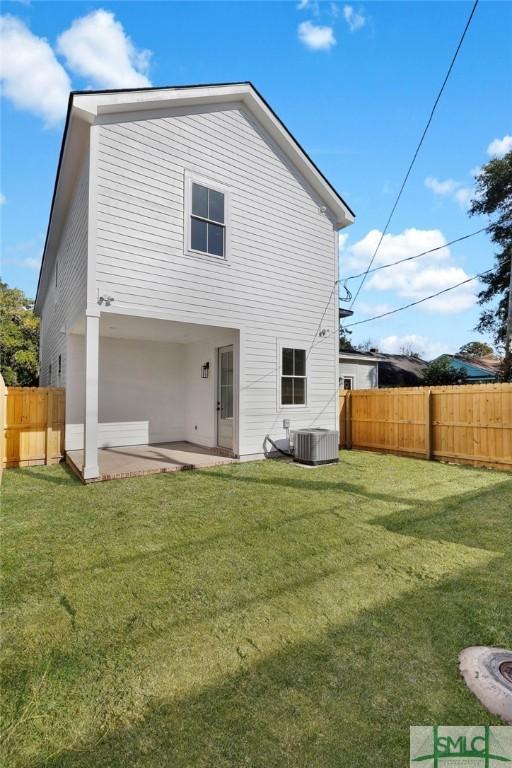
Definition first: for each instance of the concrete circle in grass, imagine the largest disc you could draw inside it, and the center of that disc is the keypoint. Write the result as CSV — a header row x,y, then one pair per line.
x,y
488,674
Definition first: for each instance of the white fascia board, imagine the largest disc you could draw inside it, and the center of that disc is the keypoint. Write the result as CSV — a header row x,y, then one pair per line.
x,y
91,106
96,104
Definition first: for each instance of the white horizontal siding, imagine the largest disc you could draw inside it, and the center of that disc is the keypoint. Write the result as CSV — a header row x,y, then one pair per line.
x,y
115,433
278,281
64,303
364,374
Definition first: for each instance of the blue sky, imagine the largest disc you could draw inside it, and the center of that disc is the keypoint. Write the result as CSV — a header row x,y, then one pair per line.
x,y
353,81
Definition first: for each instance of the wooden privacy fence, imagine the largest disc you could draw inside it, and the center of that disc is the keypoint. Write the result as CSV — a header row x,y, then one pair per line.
x,y
33,425
467,424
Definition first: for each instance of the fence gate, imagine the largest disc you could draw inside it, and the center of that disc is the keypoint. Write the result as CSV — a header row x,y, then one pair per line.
x,y
32,420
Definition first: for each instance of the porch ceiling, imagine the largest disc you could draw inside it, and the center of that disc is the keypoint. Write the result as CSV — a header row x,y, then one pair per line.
x,y
117,326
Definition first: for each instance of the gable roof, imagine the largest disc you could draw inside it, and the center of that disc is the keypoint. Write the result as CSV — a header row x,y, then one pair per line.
x,y
86,107
484,368
394,370
400,370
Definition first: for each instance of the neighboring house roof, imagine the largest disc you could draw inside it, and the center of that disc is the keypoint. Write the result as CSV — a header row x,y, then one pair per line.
x,y
400,370
394,370
357,357
87,107
476,369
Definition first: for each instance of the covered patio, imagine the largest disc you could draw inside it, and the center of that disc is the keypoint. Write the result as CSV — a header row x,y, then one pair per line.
x,y
149,395
136,460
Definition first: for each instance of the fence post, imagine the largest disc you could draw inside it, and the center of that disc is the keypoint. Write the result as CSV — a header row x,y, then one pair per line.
x,y
428,424
49,424
348,416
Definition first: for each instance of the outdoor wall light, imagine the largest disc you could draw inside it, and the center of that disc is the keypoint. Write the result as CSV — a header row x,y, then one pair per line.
x,y
205,369
107,300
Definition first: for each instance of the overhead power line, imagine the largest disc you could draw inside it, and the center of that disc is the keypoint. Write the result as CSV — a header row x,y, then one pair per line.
x,y
420,301
417,256
416,152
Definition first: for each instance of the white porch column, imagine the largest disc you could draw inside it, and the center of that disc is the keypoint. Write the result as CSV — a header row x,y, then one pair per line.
x,y
92,333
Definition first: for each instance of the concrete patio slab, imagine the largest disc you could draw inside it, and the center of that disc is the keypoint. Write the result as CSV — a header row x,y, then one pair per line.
x,y
135,460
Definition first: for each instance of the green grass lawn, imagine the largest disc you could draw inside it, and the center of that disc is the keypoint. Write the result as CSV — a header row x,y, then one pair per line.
x,y
251,615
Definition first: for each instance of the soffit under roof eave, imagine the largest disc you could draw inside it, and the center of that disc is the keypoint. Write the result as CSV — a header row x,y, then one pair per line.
x,y
75,146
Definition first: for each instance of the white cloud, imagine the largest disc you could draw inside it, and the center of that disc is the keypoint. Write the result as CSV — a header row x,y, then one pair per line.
x,y
28,262
97,46
25,253
342,240
23,246
450,188
446,187
463,196
500,147
355,19
411,280
3,199
32,77
393,247
370,308
316,37
426,348
31,263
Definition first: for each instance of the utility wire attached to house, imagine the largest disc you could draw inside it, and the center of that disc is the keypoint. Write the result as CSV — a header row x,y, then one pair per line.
x,y
411,258
416,152
419,301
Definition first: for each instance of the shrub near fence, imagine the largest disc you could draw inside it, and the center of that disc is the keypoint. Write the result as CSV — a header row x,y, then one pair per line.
x,y
32,420
467,424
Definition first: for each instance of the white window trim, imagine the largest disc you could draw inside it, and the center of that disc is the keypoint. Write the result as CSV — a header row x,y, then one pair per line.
x,y
343,382
191,177
291,345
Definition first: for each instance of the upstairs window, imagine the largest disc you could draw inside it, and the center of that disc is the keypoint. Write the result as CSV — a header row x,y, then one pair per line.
x,y
206,211
293,376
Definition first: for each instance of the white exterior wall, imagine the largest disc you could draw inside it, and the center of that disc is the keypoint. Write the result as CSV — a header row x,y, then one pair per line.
x,y
141,393
149,392
278,282
201,394
365,374
66,301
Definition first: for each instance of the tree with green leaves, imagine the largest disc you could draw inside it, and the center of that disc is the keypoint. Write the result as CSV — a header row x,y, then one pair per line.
x,y
476,349
345,343
494,198
440,372
19,338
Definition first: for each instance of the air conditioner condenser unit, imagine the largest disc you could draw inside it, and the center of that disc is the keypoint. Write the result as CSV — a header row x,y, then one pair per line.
x,y
316,446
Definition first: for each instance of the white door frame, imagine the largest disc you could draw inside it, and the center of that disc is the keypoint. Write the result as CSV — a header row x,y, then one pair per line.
x,y
234,420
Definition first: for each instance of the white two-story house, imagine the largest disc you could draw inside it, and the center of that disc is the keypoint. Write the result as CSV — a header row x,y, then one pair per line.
x,y
188,289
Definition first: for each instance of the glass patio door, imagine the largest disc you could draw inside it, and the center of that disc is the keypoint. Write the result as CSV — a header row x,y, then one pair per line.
x,y
225,398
